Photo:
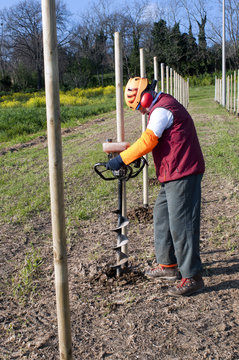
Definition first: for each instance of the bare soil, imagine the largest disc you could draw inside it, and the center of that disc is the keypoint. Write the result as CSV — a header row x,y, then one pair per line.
x,y
128,317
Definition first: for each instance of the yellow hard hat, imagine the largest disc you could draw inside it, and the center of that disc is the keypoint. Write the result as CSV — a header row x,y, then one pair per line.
x,y
133,91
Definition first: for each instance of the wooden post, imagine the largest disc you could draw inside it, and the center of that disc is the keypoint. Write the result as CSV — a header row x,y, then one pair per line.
x,y
223,81
120,117
156,71
171,81
228,94
215,90
234,95
119,88
177,94
238,92
162,77
180,88
144,124
167,79
220,91
187,92
56,177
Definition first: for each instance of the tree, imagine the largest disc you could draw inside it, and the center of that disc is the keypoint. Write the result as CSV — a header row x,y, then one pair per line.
x,y
23,33
232,25
160,34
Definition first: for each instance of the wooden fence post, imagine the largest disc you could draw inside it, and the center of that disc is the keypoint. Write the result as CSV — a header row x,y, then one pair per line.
x,y
238,92
171,81
56,177
187,92
167,79
228,94
234,95
144,124
119,88
215,90
162,77
177,86
156,72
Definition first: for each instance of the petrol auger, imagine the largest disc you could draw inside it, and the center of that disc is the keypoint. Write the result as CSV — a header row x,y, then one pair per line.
x,y
125,173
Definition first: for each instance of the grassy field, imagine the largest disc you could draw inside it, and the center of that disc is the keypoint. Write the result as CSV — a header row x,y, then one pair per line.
x,y
24,173
23,116
220,143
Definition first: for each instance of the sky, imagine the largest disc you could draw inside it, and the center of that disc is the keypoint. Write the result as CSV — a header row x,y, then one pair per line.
x,y
74,6
79,7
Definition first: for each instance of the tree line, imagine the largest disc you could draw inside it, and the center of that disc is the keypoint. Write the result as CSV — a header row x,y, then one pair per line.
x,y
184,37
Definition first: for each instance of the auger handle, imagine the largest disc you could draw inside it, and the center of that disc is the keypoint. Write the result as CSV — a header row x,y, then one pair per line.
x,y
137,165
100,173
124,173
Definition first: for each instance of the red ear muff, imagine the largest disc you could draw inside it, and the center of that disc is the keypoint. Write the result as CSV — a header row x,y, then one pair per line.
x,y
146,100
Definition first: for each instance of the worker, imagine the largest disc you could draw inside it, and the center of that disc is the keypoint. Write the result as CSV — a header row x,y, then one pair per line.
x,y
179,164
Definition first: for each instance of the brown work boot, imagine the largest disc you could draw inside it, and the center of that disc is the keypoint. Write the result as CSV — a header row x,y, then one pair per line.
x,y
187,286
162,272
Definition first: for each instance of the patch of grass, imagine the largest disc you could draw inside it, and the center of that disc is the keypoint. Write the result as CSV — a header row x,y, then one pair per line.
x,y
24,283
96,251
24,184
19,124
223,155
24,174
202,102
218,134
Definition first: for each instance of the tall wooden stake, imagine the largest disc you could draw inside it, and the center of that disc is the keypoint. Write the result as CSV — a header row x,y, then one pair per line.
x,y
56,177
144,124
119,88
156,71
167,79
171,81
162,77
238,92
223,100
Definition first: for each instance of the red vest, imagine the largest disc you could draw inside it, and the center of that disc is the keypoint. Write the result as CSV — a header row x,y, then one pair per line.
x,y
178,152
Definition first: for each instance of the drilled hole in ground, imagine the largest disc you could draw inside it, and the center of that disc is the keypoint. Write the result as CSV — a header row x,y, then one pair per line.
x,y
127,276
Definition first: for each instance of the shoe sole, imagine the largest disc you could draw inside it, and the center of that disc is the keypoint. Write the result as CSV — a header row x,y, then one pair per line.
x,y
168,278
186,294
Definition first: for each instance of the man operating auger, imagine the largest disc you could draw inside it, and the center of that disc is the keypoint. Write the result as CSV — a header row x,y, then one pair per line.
x,y
179,164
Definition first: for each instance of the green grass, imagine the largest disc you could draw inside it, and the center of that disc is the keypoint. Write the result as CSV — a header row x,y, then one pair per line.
x,y
24,174
18,125
218,132
25,282
25,185
201,102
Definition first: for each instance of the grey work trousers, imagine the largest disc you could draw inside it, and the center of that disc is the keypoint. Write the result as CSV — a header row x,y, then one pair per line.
x,y
177,224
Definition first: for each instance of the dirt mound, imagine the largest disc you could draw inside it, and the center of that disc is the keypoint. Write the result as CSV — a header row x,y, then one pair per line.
x,y
141,215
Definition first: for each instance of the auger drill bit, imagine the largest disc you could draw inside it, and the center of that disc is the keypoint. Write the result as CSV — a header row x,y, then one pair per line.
x,y
122,240
123,174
